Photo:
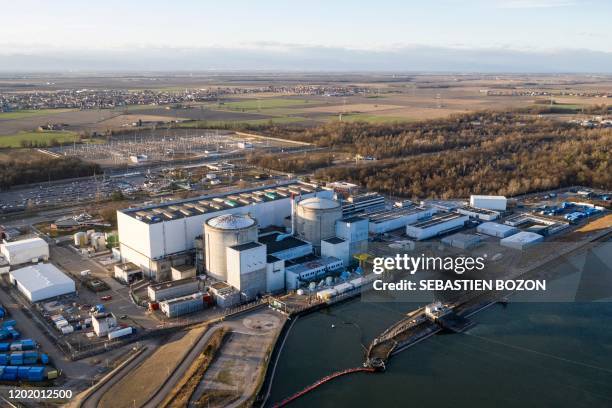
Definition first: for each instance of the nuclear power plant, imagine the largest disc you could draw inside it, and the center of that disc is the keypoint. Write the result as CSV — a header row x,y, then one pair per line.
x,y
257,241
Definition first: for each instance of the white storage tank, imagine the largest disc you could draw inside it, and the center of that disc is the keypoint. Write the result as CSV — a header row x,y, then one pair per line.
x,y
222,232
316,220
80,239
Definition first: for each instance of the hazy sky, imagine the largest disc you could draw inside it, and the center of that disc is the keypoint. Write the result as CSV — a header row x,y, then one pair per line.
x,y
31,27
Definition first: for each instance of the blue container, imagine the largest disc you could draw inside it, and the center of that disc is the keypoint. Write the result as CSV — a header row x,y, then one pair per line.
x,y
27,344
22,372
9,373
44,358
5,346
8,323
36,373
2,312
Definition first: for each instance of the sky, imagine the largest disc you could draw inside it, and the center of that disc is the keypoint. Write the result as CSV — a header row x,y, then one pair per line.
x,y
311,35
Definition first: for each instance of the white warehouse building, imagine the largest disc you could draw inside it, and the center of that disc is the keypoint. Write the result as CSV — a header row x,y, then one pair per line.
x,y
41,281
25,250
151,234
489,202
436,225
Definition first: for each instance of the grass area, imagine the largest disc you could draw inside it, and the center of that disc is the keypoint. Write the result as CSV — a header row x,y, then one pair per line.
x,y
40,139
239,123
364,117
265,103
29,113
145,379
183,391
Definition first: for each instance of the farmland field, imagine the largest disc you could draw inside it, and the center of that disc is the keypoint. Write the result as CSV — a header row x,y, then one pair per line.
x,y
39,138
29,113
266,103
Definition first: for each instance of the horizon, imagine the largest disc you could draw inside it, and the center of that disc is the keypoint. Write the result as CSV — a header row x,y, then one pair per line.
x,y
514,36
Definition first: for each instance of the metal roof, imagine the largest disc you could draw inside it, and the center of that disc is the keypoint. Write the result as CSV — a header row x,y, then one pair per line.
x,y
40,276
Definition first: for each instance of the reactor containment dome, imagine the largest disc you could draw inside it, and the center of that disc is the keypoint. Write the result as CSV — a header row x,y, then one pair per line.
x,y
316,220
222,232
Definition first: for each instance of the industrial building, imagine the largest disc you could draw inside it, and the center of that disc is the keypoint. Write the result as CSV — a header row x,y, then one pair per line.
x,y
437,225
522,240
398,217
103,323
489,202
354,230
127,272
287,248
462,241
224,294
479,213
182,305
183,272
173,289
275,274
25,250
539,225
41,281
362,204
151,236
337,248
308,269
495,229
246,268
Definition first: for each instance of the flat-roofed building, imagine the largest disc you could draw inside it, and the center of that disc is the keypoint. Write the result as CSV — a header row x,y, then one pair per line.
x,y
172,289
437,225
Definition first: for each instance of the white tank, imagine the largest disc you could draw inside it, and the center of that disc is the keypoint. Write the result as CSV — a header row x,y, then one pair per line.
x,y
316,220
222,232
80,239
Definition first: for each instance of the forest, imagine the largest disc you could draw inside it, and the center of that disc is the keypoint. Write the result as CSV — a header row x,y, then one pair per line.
x,y
485,152
14,172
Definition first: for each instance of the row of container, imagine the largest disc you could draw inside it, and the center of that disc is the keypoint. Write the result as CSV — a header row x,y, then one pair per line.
x,y
25,344
29,373
343,287
65,327
24,358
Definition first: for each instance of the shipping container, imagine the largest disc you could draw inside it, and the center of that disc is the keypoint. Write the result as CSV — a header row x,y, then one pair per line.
x,y
120,333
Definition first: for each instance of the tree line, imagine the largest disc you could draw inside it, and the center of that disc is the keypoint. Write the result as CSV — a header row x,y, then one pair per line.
x,y
482,152
15,172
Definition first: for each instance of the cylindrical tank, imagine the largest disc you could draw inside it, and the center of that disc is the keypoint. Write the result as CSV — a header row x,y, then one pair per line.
x,y
222,232
80,239
316,220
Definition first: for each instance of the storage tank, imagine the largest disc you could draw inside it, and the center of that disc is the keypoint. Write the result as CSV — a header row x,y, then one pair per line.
x,y
80,239
222,232
316,220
